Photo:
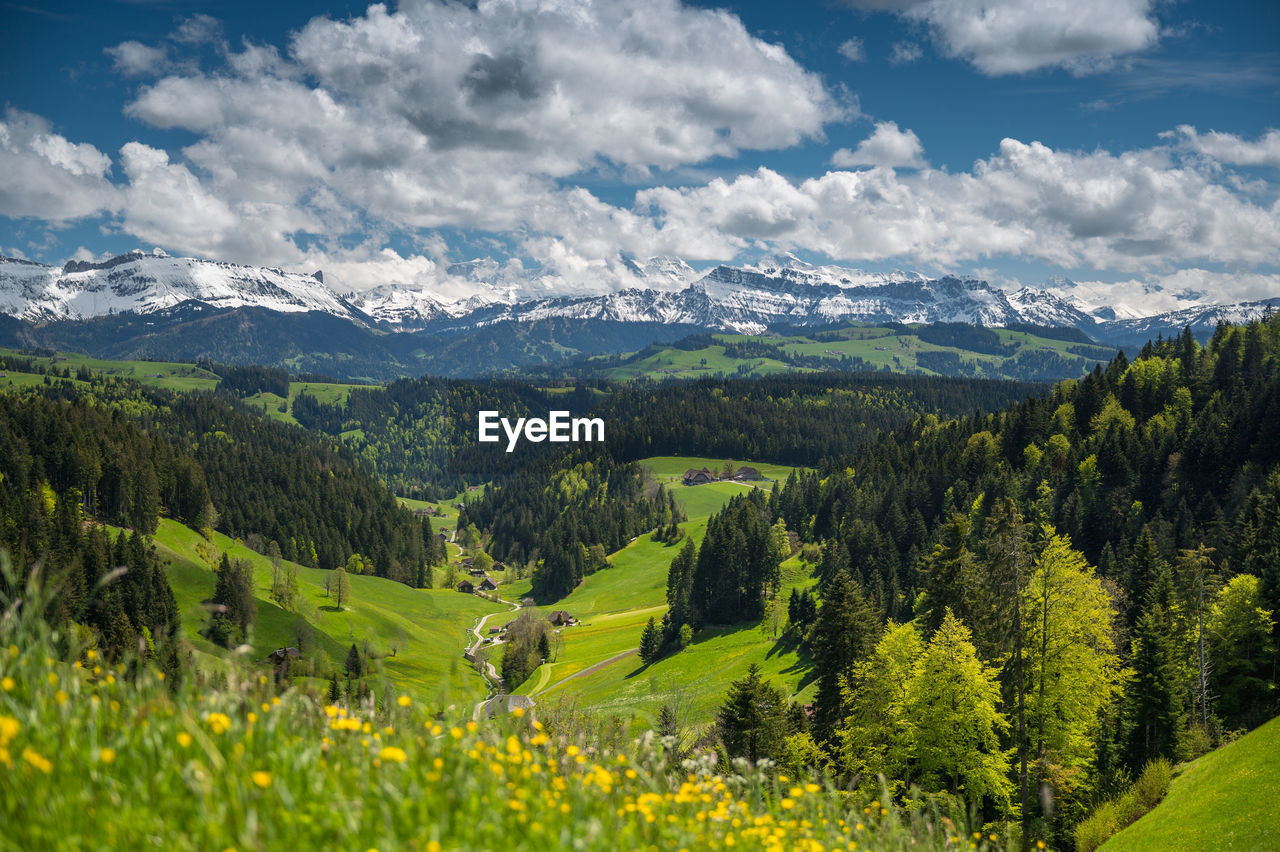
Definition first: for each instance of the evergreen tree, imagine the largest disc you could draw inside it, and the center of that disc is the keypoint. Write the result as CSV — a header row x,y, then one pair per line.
x,y
355,662
650,642
752,722
1153,700
845,632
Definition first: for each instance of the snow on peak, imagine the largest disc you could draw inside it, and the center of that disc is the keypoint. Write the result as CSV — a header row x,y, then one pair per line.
x,y
143,282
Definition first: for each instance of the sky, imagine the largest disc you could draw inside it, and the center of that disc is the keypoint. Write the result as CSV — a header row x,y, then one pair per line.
x,y
1129,146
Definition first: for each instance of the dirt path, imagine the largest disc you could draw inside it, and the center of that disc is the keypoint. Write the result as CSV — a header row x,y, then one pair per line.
x,y
591,669
490,673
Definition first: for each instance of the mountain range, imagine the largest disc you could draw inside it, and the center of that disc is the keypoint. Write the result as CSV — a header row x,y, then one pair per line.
x,y
152,305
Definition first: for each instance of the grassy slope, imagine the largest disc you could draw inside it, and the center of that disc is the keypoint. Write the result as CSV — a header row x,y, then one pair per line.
x,y
1216,802
879,347
427,627
614,605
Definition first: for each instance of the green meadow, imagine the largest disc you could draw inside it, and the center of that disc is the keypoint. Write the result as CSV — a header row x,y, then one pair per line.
x,y
614,604
416,636
1216,802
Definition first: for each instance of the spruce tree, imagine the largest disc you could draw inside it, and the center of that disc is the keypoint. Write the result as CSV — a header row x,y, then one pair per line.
x,y
845,632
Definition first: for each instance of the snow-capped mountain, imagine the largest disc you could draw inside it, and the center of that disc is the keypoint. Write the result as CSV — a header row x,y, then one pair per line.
x,y
1201,319
777,290
145,283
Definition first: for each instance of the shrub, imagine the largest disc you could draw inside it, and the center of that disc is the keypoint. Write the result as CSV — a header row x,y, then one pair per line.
x,y
1097,828
1111,817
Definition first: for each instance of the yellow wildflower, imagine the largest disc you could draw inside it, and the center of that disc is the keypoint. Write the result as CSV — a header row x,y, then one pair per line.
x,y
9,727
404,701
37,761
184,739
261,778
219,722
107,755
392,753
8,684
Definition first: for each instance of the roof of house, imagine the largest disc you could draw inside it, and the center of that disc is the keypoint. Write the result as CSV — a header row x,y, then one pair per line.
x,y
466,586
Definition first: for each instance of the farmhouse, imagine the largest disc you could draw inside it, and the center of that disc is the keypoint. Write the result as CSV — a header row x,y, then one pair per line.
x,y
281,654
746,473
560,618
487,585
467,587
698,477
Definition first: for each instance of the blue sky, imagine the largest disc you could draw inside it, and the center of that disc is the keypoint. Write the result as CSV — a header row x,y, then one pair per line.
x,y
1127,144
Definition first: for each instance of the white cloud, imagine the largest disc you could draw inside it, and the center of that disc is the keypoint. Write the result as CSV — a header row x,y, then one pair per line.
x,y
1135,211
43,175
853,50
198,29
448,115
887,146
1153,294
1017,36
165,203
905,52
1231,149
135,59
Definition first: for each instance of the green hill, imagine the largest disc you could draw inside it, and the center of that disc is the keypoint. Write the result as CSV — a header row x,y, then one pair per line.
x,y
934,350
415,635
1216,802
615,603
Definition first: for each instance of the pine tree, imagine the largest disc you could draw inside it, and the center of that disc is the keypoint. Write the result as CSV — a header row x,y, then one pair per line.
x,y
752,722
1153,701
355,663
845,632
650,642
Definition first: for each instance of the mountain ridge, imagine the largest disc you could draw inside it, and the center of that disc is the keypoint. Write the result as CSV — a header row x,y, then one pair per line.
x,y
750,299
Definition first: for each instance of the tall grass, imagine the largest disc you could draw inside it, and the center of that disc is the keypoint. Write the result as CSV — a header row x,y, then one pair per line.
x,y
92,758
1109,818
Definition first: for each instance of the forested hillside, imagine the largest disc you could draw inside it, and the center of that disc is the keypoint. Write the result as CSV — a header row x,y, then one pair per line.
x,y
1091,575
114,451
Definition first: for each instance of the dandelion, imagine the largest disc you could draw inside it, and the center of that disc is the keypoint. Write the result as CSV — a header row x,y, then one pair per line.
x,y
107,755
788,804
184,739
404,701
9,727
8,684
261,778
53,678
392,753
37,761
219,722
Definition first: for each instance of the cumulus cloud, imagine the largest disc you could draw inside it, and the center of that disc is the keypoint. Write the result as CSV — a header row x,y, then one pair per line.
x,y
440,115
43,175
1017,36
1182,288
1135,211
135,59
887,146
1231,149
